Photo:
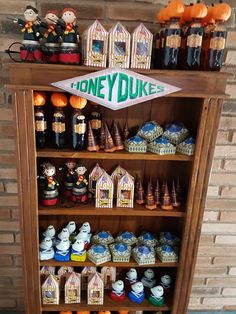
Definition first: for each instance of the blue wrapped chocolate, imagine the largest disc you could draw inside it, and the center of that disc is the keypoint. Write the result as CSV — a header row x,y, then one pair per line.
x,y
167,254
150,131
186,147
176,133
147,238
136,144
137,293
99,254
127,237
168,238
103,237
144,254
62,252
120,252
161,146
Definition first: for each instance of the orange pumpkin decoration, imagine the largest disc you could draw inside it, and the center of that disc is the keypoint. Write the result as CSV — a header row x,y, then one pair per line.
x,y
83,312
175,9
186,15
221,11
104,312
160,16
209,17
78,102
198,10
59,100
66,312
39,99
123,312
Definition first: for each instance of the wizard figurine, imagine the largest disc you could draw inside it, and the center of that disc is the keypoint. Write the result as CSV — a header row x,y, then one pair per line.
x,y
80,190
51,37
30,51
69,177
69,52
50,185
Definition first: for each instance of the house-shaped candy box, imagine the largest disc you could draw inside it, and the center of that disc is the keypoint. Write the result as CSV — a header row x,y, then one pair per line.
x,y
72,288
50,290
95,290
108,276
104,191
125,191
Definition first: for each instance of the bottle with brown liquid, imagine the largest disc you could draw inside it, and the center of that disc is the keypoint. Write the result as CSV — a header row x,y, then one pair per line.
x,y
96,123
160,36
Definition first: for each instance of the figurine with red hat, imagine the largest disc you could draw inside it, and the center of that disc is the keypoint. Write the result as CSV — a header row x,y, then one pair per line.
x,y
80,190
51,37
30,51
69,51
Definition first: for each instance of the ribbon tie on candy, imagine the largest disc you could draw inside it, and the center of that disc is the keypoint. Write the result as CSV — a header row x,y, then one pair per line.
x,y
69,28
28,27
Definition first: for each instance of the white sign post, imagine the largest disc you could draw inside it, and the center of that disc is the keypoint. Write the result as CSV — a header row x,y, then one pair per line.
x,y
116,88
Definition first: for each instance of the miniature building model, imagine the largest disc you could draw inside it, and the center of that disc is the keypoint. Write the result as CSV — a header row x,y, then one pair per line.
x,y
95,289
108,276
125,191
72,288
45,271
141,48
116,175
93,177
104,191
85,274
119,46
95,44
50,290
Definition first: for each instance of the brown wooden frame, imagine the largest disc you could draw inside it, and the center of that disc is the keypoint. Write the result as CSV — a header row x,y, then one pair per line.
x,y
24,79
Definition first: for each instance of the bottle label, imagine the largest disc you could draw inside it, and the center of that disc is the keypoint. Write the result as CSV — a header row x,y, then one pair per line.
x,y
80,128
173,41
96,124
58,127
217,43
40,126
194,41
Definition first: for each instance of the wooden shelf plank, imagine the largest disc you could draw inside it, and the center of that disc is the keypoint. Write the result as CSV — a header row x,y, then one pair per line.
x,y
119,155
132,263
69,209
109,305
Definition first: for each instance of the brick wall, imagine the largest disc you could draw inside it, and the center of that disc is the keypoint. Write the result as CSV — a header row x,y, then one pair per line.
x,y
215,276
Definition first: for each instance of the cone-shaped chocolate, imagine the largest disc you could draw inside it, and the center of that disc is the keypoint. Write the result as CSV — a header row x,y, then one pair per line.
x,y
174,199
92,145
109,143
149,200
113,124
139,192
179,191
126,131
102,136
166,201
157,194
117,138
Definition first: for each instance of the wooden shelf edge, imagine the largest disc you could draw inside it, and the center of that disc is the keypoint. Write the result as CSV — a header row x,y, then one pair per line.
x,y
119,155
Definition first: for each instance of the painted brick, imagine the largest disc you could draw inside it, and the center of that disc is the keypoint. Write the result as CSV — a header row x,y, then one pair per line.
x,y
17,238
216,164
225,151
6,238
15,213
210,216
229,107
234,138
7,303
216,250
222,137
227,122
213,191
232,271
7,130
202,291
139,13
198,281
222,261
18,282
203,261
9,225
229,292
226,239
206,239
6,114
11,187
18,260
7,144
194,301
230,165
5,260
5,282
6,159
219,301
228,192
231,57
8,173
228,216
221,204
9,201
231,90
218,228
210,271
1,187
227,282
11,271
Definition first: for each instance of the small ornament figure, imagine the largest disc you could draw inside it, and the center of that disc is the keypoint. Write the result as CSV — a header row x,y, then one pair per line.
x,y
130,278
72,288
31,50
156,298
126,131
40,122
78,252
63,251
50,232
166,201
86,226
174,199
92,145
59,100
104,191
64,234
149,201
71,226
137,293
78,122
69,176
51,37
165,282
69,52
79,191
118,292
46,249
85,237
157,193
140,193
50,290
95,290
50,190
109,146
117,138
148,279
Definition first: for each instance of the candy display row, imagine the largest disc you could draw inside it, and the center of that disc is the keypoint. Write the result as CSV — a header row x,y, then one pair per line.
x,y
68,245
71,283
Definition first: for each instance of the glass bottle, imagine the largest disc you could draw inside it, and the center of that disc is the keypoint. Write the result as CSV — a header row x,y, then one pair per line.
x,y
78,124
59,128
40,127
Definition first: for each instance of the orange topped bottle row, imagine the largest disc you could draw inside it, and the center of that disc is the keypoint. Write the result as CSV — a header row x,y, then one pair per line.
x,y
191,37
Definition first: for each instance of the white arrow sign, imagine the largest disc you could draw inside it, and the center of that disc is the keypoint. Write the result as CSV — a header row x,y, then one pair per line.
x,y
116,88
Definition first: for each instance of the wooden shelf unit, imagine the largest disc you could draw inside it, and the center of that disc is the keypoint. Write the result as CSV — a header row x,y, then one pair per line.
x,y
197,105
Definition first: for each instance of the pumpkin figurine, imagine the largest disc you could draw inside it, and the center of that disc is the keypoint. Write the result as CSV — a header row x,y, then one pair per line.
x,y
69,50
40,122
59,100
78,122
